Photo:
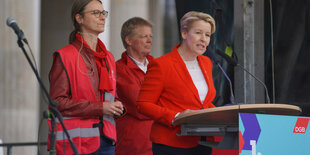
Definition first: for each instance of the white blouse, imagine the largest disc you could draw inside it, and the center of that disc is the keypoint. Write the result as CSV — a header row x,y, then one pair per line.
x,y
198,78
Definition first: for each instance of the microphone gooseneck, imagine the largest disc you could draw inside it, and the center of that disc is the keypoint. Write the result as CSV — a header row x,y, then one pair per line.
x,y
216,61
266,90
235,63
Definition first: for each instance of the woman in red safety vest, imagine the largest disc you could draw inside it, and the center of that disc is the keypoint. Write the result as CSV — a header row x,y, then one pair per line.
x,y
82,81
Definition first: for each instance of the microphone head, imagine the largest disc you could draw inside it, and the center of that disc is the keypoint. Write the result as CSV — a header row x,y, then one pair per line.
x,y
212,57
10,20
227,58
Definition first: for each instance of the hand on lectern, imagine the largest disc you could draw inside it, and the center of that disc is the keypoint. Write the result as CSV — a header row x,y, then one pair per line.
x,y
185,112
182,113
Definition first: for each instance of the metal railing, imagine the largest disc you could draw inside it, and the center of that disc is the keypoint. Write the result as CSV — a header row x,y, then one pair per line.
x,y
9,146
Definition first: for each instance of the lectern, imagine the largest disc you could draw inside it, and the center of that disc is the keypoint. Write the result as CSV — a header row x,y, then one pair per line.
x,y
223,121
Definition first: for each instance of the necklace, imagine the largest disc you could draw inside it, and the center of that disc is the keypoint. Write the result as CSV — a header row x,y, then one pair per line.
x,y
193,64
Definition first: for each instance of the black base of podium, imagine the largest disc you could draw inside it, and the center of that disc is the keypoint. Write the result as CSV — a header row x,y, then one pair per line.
x,y
229,133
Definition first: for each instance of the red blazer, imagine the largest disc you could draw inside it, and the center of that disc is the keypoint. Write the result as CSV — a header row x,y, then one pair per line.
x,y
133,129
169,89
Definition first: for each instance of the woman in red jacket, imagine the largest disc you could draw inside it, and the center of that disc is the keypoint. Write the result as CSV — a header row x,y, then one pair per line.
x,y
179,82
82,81
133,129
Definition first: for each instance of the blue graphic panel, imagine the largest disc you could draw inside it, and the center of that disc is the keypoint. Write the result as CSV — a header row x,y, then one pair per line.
x,y
274,134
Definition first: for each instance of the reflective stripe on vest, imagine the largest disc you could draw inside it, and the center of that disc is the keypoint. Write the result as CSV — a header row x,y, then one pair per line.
x,y
83,132
109,97
108,121
79,132
76,132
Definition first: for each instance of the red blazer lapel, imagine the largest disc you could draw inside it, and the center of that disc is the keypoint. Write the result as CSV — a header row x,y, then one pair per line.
x,y
182,71
205,66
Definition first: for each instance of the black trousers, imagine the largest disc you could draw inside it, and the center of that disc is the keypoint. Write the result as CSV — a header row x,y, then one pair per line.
x,y
160,149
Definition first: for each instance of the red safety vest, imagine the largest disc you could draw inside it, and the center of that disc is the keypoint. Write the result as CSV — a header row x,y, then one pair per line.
x,y
85,137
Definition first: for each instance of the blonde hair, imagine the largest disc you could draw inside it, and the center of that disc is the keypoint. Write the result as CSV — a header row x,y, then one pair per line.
x,y
190,17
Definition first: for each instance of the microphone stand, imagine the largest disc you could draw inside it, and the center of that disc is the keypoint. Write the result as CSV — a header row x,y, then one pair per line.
x,y
52,105
216,61
235,63
266,90
232,98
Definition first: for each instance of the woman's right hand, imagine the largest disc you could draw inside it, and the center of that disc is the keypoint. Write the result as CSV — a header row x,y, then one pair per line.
x,y
187,111
182,113
113,108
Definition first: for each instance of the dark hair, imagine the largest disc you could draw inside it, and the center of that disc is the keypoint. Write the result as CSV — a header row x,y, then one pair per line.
x,y
130,25
77,8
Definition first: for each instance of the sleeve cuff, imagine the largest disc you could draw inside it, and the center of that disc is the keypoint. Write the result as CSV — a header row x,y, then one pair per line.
x,y
176,115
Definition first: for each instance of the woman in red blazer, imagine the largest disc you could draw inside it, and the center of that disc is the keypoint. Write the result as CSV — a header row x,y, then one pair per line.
x,y
177,83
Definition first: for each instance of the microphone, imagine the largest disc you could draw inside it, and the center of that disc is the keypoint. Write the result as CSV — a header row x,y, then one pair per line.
x,y
235,63
216,61
227,58
11,22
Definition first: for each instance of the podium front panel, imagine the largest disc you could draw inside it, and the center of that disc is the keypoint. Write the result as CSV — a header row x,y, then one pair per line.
x,y
263,134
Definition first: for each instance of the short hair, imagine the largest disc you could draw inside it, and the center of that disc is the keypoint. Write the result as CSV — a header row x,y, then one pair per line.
x,y
130,25
190,17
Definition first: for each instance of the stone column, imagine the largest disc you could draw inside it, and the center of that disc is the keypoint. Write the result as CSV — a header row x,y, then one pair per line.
x,y
19,90
105,36
56,27
249,47
156,16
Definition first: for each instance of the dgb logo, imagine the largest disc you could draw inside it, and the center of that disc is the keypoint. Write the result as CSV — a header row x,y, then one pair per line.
x,y
301,125
299,129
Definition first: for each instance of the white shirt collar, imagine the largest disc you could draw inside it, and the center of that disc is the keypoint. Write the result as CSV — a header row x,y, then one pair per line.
x,y
142,66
